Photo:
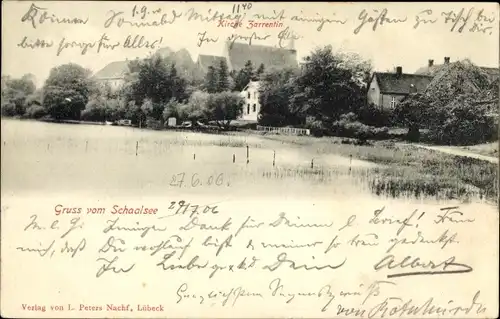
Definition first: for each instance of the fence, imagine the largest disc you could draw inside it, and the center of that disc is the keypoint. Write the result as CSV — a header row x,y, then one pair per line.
x,y
284,130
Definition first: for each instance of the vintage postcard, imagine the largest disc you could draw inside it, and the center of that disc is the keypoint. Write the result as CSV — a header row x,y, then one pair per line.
x,y
249,160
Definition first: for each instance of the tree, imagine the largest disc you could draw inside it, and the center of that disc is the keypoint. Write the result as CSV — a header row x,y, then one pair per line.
x,y
35,98
413,112
361,69
326,88
154,81
15,93
195,110
276,87
151,83
94,110
244,76
260,70
211,80
147,107
223,77
66,91
466,123
178,85
224,107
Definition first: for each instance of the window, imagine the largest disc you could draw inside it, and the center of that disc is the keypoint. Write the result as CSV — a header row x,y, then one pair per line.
x,y
254,108
248,94
393,102
248,108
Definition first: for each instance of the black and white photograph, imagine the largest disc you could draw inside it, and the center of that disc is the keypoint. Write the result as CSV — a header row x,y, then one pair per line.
x,y
249,159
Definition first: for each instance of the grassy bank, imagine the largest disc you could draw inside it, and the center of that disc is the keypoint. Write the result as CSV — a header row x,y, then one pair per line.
x,y
412,171
487,149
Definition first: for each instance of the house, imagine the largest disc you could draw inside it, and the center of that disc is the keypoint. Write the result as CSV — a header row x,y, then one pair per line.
x,y
432,69
113,74
251,107
386,89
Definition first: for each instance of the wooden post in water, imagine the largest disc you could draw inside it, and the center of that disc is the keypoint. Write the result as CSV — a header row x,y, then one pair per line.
x,y
234,158
194,156
136,147
48,146
248,155
350,162
312,163
274,158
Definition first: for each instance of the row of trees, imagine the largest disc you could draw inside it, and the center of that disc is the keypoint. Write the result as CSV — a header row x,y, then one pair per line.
x,y
327,86
327,93
152,92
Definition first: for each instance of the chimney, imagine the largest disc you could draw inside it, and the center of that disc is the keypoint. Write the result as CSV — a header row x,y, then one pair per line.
x,y
446,60
399,70
431,63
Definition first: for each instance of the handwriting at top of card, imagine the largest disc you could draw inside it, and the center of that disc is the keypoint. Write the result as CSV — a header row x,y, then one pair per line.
x,y
226,160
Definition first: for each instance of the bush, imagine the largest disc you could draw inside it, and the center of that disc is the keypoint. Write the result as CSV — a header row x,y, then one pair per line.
x,y
94,110
347,126
36,111
172,109
374,116
316,127
8,108
465,125
153,123
224,107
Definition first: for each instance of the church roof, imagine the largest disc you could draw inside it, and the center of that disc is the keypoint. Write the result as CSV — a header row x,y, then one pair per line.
x,y
204,61
114,70
271,57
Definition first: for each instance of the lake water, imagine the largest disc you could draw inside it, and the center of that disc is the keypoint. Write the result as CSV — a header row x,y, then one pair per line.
x,y
47,158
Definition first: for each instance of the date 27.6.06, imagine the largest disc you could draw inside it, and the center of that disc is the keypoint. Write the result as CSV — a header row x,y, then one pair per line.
x,y
197,180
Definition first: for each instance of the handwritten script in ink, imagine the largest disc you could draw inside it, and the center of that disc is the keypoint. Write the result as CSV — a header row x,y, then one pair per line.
x,y
243,23
214,242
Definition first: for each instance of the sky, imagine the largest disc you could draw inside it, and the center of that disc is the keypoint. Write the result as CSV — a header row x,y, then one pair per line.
x,y
391,44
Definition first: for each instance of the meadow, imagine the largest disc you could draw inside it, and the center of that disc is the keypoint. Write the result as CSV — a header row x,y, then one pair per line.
x,y
62,157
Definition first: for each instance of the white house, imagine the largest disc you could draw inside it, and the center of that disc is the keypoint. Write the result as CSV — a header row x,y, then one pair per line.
x,y
251,108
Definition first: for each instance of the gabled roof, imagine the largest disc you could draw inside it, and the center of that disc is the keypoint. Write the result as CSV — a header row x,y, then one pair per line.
x,y
116,69
402,83
183,57
204,61
432,70
461,76
252,84
491,71
271,57
164,52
